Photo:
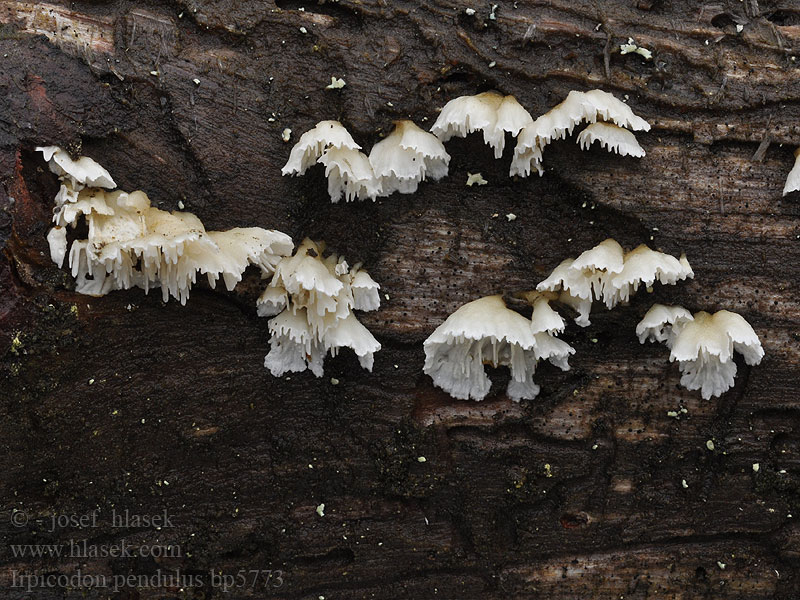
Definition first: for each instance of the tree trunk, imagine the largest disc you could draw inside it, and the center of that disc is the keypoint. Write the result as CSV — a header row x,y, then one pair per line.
x,y
124,403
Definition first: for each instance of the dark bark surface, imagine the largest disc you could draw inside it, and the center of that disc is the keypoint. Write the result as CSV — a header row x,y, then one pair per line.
x,y
590,491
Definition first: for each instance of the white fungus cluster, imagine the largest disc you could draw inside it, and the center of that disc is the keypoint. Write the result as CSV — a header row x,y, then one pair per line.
x,y
410,155
133,244
486,331
311,300
703,344
609,274
610,120
490,113
398,163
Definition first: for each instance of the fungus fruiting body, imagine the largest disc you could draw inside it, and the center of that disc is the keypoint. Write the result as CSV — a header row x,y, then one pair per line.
x,y
311,300
793,179
490,113
595,106
133,244
703,344
612,137
608,273
406,157
348,170
349,174
486,331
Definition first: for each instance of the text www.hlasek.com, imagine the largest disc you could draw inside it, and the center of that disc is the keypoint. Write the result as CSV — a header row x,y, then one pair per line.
x,y
254,579
29,580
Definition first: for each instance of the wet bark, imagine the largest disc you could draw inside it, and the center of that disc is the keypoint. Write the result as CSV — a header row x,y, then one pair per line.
x,y
592,490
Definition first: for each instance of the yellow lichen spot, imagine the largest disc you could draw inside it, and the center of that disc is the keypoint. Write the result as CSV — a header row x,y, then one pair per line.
x,y
16,343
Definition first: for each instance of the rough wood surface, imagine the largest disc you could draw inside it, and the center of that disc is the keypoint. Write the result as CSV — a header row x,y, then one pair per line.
x,y
590,491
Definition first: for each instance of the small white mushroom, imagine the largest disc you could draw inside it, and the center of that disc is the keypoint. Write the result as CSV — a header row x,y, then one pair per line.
x,y
131,243
81,172
316,296
482,332
309,148
607,273
577,107
349,174
612,137
489,112
703,345
406,157
57,239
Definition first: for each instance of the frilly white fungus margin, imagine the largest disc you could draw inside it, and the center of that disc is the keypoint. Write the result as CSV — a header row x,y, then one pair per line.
x,y
313,298
133,244
703,344
485,331
607,273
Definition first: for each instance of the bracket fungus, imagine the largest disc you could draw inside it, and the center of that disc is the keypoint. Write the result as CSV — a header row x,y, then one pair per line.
x,y
311,300
608,273
486,331
489,112
407,156
594,106
348,170
793,179
703,344
133,244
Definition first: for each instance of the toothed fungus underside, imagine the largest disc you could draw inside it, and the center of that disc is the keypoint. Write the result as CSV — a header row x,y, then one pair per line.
x,y
486,331
608,273
311,300
611,118
703,344
133,244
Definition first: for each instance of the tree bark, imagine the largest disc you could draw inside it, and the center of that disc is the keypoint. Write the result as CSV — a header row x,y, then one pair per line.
x,y
590,491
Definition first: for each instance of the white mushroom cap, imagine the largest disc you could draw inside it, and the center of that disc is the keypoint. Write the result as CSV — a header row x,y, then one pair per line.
x,y
308,280
489,112
703,345
609,108
86,202
482,332
240,247
558,122
719,335
350,333
365,291
349,173
643,265
272,301
544,319
407,156
594,266
793,179
466,114
57,239
606,272
83,171
614,138
527,154
311,145
511,118
660,322
485,318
